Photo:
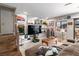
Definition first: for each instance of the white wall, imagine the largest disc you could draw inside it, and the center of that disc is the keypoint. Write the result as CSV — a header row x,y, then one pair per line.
x,y
75,15
70,30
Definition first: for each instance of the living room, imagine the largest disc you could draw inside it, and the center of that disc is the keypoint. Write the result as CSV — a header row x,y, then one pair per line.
x,y
35,29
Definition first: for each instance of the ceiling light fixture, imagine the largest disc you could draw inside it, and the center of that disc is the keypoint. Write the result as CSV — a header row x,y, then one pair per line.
x,y
67,4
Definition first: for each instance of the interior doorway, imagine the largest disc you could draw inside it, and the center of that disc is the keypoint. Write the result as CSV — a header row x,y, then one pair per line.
x,y
76,29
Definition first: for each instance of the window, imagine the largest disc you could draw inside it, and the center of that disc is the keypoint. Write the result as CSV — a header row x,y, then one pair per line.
x,y
63,24
77,23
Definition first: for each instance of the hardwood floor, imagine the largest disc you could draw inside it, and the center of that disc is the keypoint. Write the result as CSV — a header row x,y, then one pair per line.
x,y
8,46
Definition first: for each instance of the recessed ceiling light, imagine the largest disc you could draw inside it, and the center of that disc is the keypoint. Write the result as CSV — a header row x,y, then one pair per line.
x,y
25,12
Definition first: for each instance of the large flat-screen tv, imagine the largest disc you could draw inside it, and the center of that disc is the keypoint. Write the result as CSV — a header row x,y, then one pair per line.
x,y
40,29
34,29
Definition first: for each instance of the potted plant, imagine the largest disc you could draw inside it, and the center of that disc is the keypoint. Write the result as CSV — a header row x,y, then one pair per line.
x,y
35,39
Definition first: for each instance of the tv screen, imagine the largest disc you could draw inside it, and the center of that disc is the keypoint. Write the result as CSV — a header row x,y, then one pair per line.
x,y
40,29
30,29
34,29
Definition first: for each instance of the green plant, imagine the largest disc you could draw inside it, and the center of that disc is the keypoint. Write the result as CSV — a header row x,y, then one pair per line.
x,y
44,23
35,39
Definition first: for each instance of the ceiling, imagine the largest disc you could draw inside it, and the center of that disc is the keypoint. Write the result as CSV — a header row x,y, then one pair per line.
x,y
44,10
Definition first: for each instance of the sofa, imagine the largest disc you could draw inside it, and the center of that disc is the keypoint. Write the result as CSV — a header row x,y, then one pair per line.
x,y
72,50
33,50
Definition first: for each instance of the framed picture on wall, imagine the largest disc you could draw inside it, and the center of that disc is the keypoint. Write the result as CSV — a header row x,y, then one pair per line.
x,y
58,24
37,21
64,24
70,23
51,23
